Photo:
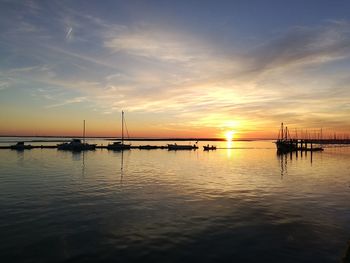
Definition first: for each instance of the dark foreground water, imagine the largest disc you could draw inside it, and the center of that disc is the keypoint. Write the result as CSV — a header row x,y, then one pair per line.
x,y
240,205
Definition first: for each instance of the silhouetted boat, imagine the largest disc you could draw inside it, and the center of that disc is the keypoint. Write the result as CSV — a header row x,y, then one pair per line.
x,y
284,143
208,148
182,147
148,147
286,146
76,145
119,146
20,146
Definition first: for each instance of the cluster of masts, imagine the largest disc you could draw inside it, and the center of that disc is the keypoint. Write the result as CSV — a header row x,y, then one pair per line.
x,y
284,134
300,142
309,134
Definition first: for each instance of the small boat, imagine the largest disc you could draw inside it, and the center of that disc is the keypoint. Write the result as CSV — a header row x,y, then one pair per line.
x,y
76,145
182,147
120,146
208,148
20,146
148,147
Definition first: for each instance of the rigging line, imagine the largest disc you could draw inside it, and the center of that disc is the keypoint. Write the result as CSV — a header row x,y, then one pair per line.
x,y
126,128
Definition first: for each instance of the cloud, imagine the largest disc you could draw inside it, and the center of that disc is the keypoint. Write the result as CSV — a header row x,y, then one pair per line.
x,y
301,46
4,85
151,44
207,90
69,33
67,102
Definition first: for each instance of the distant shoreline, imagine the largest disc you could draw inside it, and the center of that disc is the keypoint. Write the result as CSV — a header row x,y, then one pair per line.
x,y
136,139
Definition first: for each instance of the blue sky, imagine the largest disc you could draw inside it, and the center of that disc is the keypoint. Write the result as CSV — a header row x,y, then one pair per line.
x,y
178,68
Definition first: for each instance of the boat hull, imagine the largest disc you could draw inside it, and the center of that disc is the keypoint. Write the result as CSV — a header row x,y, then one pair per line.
x,y
76,148
209,148
118,147
175,147
286,146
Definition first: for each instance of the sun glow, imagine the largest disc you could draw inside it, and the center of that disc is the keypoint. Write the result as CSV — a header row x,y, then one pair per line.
x,y
229,135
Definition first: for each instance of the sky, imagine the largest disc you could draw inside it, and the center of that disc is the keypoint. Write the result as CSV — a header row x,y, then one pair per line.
x,y
176,68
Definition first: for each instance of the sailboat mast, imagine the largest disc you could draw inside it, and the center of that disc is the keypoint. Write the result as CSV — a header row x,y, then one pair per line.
x,y
282,137
122,127
84,132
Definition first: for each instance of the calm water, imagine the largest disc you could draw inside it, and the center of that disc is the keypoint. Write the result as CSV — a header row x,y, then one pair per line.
x,y
241,205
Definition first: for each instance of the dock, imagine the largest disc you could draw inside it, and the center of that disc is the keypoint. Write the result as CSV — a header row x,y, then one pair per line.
x,y
307,142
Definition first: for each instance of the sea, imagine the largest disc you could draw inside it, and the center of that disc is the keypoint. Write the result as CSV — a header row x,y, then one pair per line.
x,y
240,203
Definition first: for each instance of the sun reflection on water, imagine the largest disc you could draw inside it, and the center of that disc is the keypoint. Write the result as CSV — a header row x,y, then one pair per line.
x,y
229,143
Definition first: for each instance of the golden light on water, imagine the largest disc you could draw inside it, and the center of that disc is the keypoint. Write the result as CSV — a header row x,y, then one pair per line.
x,y
229,135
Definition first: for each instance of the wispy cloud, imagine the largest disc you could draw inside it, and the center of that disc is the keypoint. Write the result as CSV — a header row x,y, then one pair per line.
x,y
150,44
69,33
67,102
302,46
4,85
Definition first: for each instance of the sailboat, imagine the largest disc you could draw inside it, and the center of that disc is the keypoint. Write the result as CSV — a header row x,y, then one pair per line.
x,y
77,144
120,146
285,143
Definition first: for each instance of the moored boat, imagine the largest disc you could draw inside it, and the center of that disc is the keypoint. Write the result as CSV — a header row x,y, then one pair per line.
x,y
148,147
76,145
20,146
182,147
286,146
284,142
119,146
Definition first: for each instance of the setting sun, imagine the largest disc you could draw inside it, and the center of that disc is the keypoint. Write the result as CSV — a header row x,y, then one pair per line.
x,y
229,135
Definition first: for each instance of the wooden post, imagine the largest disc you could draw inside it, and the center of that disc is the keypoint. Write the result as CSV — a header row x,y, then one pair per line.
x,y
84,132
